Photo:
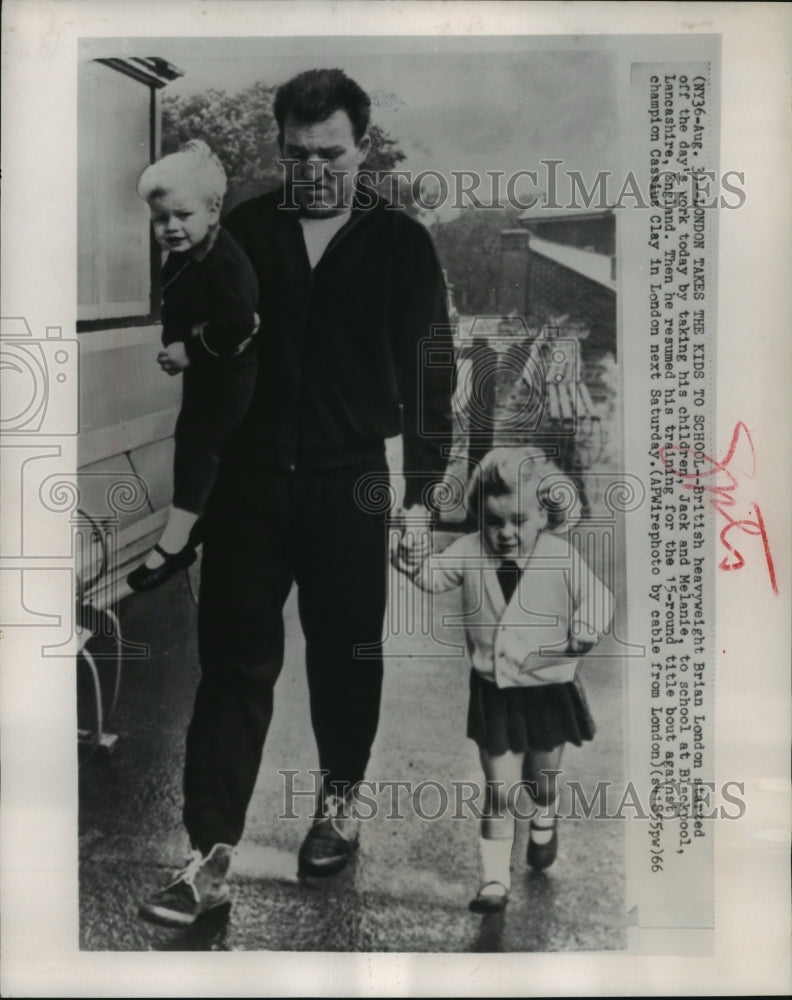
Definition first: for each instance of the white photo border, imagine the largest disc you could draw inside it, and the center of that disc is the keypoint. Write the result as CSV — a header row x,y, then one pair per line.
x,y
40,954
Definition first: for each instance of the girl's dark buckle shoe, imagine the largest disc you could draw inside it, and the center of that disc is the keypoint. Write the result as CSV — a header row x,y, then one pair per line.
x,y
541,856
489,902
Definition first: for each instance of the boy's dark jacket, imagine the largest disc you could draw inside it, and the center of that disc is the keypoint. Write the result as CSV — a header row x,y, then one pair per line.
x,y
342,346
220,290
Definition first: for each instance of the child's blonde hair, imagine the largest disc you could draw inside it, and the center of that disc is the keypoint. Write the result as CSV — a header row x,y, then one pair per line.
x,y
529,473
194,163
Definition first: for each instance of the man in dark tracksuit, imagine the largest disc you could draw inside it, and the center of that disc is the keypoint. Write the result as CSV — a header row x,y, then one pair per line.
x,y
354,348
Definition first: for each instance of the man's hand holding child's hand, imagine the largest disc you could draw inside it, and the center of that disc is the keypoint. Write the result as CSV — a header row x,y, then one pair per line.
x,y
412,546
579,647
173,358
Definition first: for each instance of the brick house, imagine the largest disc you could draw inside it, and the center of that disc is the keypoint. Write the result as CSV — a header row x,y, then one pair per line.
x,y
563,264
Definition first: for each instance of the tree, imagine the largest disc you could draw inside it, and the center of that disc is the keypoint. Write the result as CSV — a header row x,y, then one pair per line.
x,y
384,153
241,129
469,248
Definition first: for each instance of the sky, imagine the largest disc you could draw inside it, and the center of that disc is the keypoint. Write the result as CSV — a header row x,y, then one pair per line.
x,y
452,103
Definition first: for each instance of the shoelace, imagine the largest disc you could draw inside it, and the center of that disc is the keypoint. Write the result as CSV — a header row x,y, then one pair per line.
x,y
187,875
334,810
333,805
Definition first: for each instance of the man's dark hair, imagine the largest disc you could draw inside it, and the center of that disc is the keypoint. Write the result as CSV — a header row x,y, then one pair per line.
x,y
318,93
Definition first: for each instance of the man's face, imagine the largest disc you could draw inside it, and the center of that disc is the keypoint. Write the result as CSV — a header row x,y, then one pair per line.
x,y
327,160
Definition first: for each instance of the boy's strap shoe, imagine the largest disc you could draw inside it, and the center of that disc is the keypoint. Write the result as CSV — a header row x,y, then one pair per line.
x,y
144,578
202,886
331,841
492,898
541,856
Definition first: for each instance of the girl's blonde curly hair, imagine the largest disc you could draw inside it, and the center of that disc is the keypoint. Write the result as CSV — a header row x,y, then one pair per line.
x,y
528,472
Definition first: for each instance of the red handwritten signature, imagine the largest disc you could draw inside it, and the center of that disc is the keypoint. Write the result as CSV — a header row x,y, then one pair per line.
x,y
722,484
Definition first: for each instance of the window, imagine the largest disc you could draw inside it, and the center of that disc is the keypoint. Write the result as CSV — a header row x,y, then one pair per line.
x,y
114,245
118,135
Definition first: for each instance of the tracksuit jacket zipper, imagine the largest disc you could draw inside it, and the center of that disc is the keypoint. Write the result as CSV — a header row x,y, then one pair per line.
x,y
337,238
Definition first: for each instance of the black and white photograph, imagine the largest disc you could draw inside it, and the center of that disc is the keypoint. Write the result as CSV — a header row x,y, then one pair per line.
x,y
488,335
391,500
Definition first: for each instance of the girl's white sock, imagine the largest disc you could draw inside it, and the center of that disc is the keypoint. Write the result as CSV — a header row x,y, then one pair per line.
x,y
175,535
495,862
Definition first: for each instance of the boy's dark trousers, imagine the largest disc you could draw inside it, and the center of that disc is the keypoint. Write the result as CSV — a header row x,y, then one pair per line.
x,y
216,395
265,529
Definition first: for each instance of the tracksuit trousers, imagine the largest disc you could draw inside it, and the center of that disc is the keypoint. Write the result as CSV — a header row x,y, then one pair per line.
x,y
265,529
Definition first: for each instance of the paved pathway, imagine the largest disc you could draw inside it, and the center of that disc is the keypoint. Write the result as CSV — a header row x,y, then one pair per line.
x,y
409,886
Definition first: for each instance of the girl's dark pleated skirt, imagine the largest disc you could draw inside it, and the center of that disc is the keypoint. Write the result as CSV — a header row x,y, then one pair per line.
x,y
527,718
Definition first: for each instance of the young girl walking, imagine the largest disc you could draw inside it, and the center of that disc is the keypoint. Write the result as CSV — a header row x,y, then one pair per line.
x,y
532,608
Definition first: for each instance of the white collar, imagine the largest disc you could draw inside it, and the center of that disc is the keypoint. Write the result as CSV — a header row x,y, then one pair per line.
x,y
522,561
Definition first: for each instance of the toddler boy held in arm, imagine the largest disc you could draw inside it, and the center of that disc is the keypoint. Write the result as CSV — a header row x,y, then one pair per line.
x,y
209,298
